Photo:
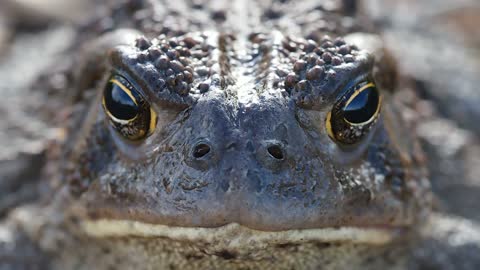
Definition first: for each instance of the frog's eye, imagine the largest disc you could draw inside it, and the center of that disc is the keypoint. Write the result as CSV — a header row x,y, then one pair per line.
x,y
354,114
127,110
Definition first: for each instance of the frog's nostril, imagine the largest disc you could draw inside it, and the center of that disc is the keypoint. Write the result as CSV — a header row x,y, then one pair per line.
x,y
275,151
201,150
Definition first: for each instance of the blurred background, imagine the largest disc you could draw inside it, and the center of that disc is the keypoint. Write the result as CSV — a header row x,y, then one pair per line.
x,y
436,44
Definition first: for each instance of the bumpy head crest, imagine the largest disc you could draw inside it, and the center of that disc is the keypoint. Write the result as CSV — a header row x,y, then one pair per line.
x,y
314,74
177,69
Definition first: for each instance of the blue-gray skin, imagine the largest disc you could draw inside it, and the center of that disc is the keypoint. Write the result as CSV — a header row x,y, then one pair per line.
x,y
241,99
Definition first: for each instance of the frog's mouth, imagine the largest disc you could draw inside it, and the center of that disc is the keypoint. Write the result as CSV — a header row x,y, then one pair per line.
x,y
234,235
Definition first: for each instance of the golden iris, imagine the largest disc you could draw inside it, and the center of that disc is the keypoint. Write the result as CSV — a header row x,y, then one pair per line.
x,y
354,114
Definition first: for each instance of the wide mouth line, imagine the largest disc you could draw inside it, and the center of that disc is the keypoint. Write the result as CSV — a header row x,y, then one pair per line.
x,y
237,236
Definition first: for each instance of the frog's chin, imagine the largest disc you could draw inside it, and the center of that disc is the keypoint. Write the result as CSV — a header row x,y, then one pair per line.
x,y
234,235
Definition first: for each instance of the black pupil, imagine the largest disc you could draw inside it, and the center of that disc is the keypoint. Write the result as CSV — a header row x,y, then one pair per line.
x,y
201,150
119,103
362,108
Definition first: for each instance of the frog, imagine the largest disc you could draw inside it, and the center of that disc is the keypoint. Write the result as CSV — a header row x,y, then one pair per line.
x,y
236,135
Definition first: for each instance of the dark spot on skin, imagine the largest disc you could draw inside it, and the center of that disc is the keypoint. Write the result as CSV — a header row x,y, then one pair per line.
x,y
171,80
189,185
227,255
169,72
290,80
344,49
299,65
183,89
193,256
201,150
176,66
178,78
219,15
289,246
167,184
318,51
162,62
272,13
320,62
336,61
323,245
350,6
339,42
291,46
202,71
311,59
314,73
281,72
302,85
172,54
77,185
106,250
190,42
276,152
311,46
160,84
173,43
142,43
188,76
331,74
155,53
203,87
327,57
327,44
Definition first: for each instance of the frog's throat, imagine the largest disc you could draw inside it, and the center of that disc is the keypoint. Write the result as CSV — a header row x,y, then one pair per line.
x,y
235,235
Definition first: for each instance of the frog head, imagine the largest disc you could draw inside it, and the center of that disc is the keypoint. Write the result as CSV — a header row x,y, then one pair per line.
x,y
267,133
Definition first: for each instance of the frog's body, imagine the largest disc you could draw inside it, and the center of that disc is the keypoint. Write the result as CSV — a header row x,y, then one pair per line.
x,y
240,162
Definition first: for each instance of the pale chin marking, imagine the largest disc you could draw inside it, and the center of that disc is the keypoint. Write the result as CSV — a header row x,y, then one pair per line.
x,y
235,235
